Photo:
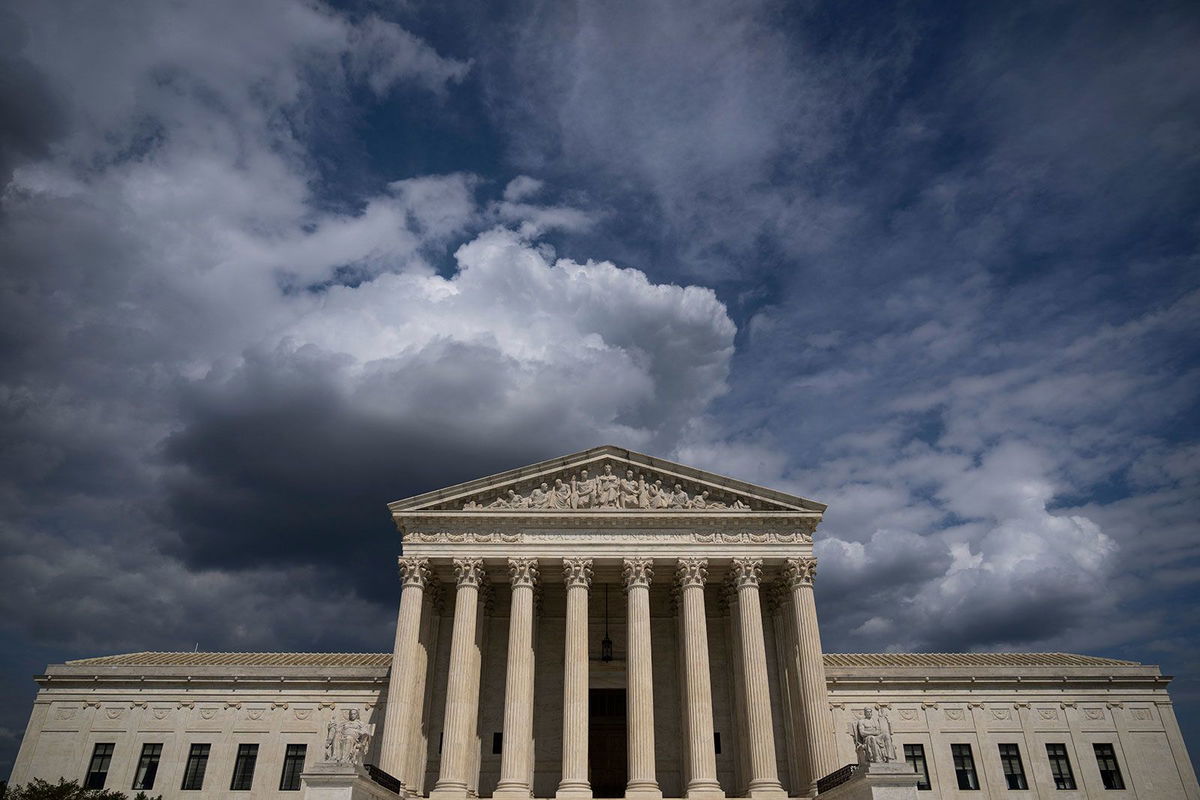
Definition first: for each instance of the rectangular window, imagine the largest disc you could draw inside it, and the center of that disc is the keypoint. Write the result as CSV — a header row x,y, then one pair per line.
x,y
497,742
147,768
243,768
293,765
97,772
1060,766
193,773
914,754
1110,773
964,766
1014,770
717,741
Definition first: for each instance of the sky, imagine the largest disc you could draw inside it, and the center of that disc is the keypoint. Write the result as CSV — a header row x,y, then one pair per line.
x,y
266,266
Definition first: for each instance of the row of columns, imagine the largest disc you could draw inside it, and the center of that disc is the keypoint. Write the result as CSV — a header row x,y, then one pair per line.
x,y
410,663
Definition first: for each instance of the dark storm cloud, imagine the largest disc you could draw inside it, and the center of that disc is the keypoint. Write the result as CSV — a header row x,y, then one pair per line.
x,y
32,116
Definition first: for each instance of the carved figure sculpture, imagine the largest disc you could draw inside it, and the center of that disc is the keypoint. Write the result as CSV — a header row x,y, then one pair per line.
x,y
630,491
873,739
347,741
584,489
560,495
540,497
609,491
679,499
608,488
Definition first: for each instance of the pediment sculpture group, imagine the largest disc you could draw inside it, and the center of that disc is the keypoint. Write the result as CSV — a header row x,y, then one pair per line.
x,y
606,490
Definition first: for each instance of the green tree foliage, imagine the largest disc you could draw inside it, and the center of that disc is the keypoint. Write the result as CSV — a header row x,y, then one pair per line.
x,y
66,790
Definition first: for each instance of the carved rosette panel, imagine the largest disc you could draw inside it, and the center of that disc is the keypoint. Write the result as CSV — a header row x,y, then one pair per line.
x,y
414,572
692,572
523,572
469,571
799,571
747,572
637,572
577,572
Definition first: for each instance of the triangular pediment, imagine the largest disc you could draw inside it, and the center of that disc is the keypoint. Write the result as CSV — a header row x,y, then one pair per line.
x,y
606,479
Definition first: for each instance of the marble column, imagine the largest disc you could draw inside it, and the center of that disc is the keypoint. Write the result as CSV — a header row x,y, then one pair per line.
x,y
702,782
810,667
764,772
577,574
515,758
462,698
638,572
406,683
779,606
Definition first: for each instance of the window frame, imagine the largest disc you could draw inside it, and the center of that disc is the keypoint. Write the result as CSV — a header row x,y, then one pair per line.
x,y
912,759
1012,766
146,772
195,767
1063,781
1113,775
99,765
244,764
963,752
293,766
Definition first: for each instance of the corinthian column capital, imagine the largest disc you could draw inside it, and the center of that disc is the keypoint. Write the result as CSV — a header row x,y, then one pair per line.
x,y
414,572
523,571
692,572
577,572
638,572
747,571
469,571
799,571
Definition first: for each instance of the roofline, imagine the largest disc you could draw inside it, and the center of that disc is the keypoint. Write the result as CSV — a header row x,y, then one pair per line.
x,y
415,502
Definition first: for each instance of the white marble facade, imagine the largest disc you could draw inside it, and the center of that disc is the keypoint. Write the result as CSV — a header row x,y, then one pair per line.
x,y
498,684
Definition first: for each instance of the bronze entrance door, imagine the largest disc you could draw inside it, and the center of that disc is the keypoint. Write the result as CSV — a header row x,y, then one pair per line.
x,y
607,755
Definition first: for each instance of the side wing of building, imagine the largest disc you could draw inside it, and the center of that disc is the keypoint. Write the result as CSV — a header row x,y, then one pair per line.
x,y
1073,728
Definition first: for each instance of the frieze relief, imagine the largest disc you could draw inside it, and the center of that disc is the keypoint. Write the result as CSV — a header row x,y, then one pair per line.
x,y
632,537
610,490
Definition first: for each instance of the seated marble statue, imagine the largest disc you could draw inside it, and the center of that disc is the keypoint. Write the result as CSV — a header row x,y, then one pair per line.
x,y
346,741
873,739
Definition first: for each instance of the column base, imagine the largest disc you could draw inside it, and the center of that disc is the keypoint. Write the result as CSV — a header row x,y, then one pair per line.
x,y
449,793
643,790
770,791
574,791
512,793
704,792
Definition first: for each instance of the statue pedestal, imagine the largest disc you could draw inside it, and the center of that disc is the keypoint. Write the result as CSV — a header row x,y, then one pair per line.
x,y
894,780
327,780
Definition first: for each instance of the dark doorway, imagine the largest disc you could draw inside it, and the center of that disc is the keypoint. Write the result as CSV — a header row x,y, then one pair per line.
x,y
607,755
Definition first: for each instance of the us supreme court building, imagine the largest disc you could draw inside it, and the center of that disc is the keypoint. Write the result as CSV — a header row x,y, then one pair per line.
x,y
608,624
